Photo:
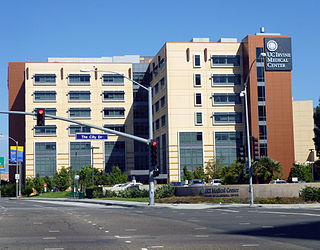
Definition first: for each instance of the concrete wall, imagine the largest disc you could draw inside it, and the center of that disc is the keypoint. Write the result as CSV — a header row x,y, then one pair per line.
x,y
242,191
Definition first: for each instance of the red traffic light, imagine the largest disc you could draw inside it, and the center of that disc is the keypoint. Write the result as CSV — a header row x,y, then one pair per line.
x,y
40,111
154,143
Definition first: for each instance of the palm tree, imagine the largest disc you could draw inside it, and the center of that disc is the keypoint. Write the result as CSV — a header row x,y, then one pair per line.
x,y
266,170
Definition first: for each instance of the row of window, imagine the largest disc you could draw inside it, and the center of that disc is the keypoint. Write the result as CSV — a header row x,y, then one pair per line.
x,y
78,79
158,86
218,80
75,96
51,130
218,60
159,104
219,98
220,118
161,120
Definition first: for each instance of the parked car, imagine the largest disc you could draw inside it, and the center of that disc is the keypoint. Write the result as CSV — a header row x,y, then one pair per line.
x,y
197,182
278,182
215,182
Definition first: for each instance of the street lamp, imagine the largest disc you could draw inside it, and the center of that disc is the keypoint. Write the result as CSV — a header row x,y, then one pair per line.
x,y
149,89
92,148
245,94
18,181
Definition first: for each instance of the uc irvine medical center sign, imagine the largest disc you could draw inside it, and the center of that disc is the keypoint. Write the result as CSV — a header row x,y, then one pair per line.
x,y
279,54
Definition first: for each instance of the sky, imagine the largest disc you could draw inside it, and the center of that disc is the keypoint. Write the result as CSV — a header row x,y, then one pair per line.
x,y
34,30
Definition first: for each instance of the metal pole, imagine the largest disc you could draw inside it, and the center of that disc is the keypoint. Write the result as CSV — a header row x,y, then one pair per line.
x,y
92,165
151,181
17,188
20,174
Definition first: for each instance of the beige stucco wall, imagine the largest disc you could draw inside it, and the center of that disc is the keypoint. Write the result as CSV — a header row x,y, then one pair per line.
x,y
180,91
63,104
303,126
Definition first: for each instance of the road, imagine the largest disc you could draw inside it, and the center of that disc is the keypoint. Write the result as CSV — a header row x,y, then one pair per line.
x,y
34,224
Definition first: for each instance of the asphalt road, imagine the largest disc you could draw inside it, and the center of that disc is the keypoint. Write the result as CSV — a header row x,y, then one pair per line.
x,y
26,224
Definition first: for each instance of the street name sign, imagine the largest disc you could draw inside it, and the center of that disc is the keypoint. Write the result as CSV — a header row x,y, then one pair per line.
x,y
91,136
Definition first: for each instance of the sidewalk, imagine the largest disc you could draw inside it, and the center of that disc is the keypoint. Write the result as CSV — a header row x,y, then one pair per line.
x,y
135,204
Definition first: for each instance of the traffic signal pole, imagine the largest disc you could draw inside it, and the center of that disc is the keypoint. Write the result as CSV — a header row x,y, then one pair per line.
x,y
151,180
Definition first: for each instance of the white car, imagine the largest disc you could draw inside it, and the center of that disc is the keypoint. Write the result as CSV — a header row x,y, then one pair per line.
x,y
215,182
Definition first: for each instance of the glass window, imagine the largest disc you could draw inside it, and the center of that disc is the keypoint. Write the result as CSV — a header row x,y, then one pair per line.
x,y
48,130
262,114
113,95
198,118
162,83
263,149
260,74
45,96
113,79
82,79
157,124
113,112
163,121
227,117
80,155
115,155
163,101
197,80
261,93
116,127
262,132
79,96
74,129
45,79
79,112
45,157
157,106
225,60
156,88
226,146
224,79
226,98
197,61
198,99
259,50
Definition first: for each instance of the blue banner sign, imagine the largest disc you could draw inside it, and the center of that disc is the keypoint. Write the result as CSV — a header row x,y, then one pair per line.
x,y
91,136
13,152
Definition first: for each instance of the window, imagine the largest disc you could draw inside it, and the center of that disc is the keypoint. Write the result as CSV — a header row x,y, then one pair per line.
x,y
226,146
80,155
45,157
113,112
197,80
45,96
261,93
74,129
113,95
79,112
263,149
259,50
116,127
79,79
225,60
45,79
79,96
163,121
262,113
260,74
162,83
157,106
198,99
163,101
115,155
227,98
262,132
223,79
190,151
156,88
196,61
227,117
48,130
157,124
113,79
198,118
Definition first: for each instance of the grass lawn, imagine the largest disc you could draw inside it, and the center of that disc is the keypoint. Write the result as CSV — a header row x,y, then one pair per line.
x,y
54,195
145,199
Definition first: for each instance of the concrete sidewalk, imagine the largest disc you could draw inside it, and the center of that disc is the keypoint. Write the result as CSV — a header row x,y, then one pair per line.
x,y
135,204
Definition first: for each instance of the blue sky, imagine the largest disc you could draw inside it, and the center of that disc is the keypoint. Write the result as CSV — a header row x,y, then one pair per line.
x,y
34,30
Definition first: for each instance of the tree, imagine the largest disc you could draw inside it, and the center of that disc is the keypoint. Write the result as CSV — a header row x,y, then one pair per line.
x,y
101,177
85,177
211,169
266,170
62,180
237,173
198,173
316,118
28,188
187,175
116,176
302,171
38,184
48,181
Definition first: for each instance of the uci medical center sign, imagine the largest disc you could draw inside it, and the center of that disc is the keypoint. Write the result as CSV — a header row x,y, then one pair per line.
x,y
278,53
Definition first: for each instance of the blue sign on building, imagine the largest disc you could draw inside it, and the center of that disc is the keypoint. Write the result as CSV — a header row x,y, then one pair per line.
x,y
91,136
13,152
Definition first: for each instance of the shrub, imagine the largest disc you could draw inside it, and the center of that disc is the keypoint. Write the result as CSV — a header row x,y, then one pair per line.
x,y
28,189
164,191
8,190
62,180
310,194
133,192
110,193
94,192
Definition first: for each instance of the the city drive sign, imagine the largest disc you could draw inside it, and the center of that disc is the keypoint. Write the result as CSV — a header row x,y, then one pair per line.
x,y
279,54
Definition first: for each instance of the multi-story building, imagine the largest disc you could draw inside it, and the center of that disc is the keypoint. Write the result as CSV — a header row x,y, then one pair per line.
x,y
198,106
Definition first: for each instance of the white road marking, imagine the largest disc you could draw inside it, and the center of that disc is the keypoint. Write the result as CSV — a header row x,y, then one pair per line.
x,y
37,223
200,228
244,223
100,228
250,245
107,231
54,231
228,210
193,220
156,247
267,226
49,238
202,236
285,213
94,224
131,230
144,248
123,237
54,248
127,241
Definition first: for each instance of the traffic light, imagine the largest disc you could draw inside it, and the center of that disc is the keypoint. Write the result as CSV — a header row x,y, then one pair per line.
x,y
40,117
156,173
255,148
242,158
154,153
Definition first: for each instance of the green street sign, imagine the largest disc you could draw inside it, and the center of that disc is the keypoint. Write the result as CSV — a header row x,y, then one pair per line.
x,y
1,163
